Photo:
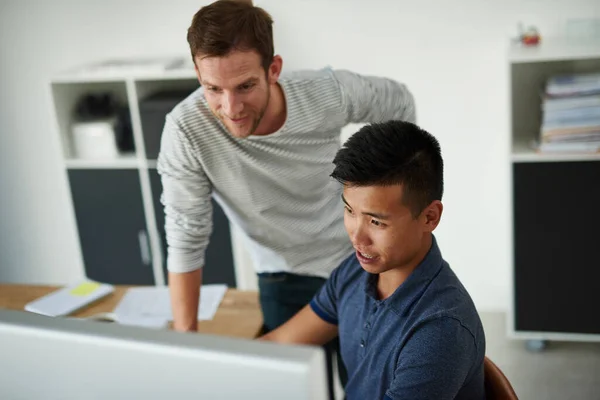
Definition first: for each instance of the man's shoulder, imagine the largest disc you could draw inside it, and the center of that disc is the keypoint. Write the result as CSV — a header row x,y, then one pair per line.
x,y
308,76
323,75
314,101
446,297
318,84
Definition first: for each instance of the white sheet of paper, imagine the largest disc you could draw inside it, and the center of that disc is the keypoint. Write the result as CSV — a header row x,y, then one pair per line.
x,y
154,302
133,320
210,299
143,321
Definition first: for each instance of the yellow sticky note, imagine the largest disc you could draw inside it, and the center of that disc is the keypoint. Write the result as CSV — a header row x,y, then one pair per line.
x,y
84,289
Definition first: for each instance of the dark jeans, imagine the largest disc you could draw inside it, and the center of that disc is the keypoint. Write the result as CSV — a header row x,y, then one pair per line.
x,y
282,295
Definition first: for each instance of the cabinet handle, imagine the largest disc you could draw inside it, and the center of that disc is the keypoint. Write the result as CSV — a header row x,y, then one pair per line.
x,y
144,248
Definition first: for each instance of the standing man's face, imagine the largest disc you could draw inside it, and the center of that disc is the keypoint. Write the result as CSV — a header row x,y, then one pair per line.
x,y
382,228
237,89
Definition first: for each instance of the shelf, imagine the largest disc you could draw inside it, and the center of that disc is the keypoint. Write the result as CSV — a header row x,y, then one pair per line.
x,y
67,79
65,97
108,77
125,161
152,164
187,73
556,49
522,152
119,70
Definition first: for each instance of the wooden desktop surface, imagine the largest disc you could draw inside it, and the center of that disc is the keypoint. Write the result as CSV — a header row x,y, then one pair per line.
x,y
238,315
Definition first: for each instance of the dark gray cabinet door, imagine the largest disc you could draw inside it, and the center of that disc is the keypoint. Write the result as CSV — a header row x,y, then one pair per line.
x,y
153,111
557,264
219,254
112,227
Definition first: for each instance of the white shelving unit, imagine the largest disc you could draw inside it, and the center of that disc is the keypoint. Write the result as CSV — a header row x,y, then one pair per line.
x,y
523,151
124,160
554,257
144,242
530,68
556,49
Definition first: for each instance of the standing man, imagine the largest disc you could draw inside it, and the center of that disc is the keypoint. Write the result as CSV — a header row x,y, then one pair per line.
x,y
262,146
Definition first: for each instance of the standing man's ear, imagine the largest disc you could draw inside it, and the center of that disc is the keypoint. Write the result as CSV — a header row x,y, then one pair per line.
x,y
275,69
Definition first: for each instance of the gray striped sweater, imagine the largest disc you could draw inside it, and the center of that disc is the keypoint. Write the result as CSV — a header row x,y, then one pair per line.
x,y
276,188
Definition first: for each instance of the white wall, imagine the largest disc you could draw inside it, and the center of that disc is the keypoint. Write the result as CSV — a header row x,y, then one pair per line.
x,y
451,53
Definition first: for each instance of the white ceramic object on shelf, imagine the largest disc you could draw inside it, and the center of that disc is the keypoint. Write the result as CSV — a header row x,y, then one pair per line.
x,y
95,139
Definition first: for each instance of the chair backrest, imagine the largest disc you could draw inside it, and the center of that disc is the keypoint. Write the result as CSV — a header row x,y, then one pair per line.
x,y
497,386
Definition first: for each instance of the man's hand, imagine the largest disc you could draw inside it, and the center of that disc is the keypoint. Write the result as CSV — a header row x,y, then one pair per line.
x,y
305,327
184,289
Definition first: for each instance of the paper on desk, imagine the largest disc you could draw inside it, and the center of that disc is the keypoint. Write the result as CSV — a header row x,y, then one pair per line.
x,y
133,320
154,302
143,321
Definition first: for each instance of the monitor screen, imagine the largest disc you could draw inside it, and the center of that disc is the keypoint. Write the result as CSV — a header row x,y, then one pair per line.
x,y
60,358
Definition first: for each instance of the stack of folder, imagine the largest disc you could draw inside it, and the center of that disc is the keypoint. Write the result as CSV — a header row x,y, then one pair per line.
x,y
571,114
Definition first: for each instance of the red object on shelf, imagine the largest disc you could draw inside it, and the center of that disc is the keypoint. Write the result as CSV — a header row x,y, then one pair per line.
x,y
531,37
531,40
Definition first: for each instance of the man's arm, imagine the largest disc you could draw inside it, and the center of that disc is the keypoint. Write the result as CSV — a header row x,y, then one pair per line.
x,y
374,99
316,323
188,222
435,362
184,289
305,327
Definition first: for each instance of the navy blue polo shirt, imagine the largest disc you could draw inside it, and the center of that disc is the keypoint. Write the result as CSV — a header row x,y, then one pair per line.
x,y
425,341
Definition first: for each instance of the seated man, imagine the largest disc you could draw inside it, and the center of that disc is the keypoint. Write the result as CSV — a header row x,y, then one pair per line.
x,y
408,329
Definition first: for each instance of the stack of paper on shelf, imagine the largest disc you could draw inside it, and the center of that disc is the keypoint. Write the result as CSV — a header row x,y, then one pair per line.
x,y
571,114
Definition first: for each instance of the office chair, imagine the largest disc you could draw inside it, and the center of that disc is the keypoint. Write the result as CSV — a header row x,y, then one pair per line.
x,y
497,386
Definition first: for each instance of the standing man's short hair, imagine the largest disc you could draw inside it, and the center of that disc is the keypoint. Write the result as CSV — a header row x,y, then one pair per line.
x,y
390,153
228,25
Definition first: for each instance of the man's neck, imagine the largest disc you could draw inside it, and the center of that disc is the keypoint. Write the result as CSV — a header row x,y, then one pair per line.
x,y
389,281
275,114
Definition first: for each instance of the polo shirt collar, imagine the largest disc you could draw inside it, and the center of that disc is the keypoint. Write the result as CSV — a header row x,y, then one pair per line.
x,y
416,283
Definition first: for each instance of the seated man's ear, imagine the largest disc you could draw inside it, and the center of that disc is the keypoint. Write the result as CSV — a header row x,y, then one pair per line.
x,y
432,215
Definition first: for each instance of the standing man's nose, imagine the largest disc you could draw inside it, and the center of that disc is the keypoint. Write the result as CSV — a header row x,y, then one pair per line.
x,y
232,105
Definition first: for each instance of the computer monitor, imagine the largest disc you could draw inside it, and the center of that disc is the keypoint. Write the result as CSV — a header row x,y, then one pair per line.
x,y
59,358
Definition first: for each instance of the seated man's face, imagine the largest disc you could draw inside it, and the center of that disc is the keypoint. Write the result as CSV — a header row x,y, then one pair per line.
x,y
382,229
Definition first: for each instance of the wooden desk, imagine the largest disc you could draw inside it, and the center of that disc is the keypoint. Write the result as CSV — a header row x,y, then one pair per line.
x,y
238,315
